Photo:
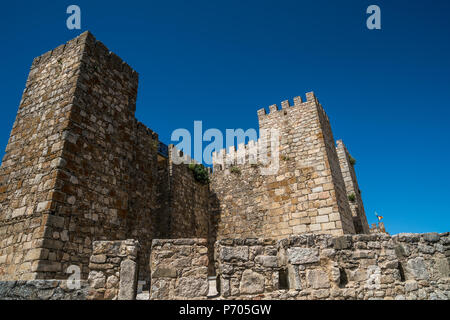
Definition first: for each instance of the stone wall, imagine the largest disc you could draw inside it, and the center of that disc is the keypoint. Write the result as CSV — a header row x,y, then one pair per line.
x,y
352,189
188,205
79,167
311,267
406,266
42,290
114,270
307,193
179,269
247,266
30,167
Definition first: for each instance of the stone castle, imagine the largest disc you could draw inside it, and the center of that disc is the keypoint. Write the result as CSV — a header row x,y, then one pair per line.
x,y
81,176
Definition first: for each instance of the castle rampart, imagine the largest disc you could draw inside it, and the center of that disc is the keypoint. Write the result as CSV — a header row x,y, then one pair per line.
x,y
352,189
308,267
307,193
79,167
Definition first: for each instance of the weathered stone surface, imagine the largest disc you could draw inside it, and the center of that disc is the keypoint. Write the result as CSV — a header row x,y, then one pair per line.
x,y
344,242
411,285
442,267
114,272
98,258
317,279
298,255
179,269
417,269
229,253
164,272
431,237
42,290
251,283
192,287
128,280
267,261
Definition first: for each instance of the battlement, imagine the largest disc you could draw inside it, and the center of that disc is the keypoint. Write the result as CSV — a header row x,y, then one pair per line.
x,y
254,153
110,59
145,130
286,104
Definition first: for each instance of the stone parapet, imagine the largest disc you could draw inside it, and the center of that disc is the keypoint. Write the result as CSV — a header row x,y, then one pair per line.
x,y
308,267
114,270
179,269
43,290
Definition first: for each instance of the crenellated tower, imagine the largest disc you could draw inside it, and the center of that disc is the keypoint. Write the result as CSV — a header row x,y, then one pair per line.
x,y
78,167
347,164
307,194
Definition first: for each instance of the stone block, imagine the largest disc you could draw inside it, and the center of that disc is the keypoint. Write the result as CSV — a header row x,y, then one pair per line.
x,y
164,272
190,287
238,252
298,255
317,279
267,261
128,280
251,282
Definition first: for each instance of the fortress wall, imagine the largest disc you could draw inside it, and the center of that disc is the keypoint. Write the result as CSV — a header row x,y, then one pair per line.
x,y
32,165
94,168
364,267
310,267
111,183
113,270
339,194
189,202
305,195
351,186
239,204
43,290
179,269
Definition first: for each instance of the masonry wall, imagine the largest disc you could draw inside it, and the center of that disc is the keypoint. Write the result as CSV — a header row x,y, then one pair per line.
x,y
179,269
306,194
364,267
30,167
90,170
352,188
114,270
188,201
314,267
42,290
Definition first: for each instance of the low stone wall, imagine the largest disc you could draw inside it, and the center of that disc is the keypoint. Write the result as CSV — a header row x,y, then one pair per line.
x,y
247,266
42,290
377,266
307,267
113,270
179,269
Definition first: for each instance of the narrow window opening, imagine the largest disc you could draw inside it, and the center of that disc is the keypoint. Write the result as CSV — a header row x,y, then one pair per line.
x,y
283,283
343,279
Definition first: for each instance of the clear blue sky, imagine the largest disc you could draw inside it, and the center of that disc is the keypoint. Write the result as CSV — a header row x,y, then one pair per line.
x,y
386,91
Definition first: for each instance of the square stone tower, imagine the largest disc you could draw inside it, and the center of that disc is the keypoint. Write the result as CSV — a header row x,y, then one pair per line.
x,y
352,189
78,166
307,194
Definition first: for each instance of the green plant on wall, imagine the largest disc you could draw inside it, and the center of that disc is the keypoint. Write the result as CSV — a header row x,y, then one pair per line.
x,y
155,145
235,170
352,197
351,160
200,173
